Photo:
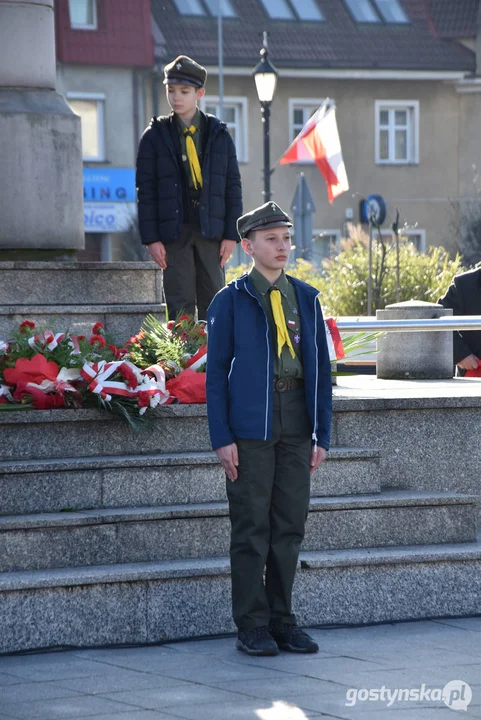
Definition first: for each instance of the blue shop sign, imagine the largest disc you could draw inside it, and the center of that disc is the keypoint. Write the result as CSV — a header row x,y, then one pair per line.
x,y
109,185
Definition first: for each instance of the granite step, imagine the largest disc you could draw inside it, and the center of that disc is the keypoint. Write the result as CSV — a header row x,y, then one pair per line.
x,y
154,602
125,535
45,485
121,320
79,283
54,434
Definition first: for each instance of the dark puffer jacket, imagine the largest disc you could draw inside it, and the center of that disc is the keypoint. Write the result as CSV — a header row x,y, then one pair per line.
x,y
161,182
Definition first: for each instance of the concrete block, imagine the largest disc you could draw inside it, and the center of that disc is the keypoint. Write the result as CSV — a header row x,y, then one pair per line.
x,y
386,593
425,355
33,492
166,601
49,485
80,283
425,443
120,321
79,616
88,433
197,531
45,161
188,607
57,547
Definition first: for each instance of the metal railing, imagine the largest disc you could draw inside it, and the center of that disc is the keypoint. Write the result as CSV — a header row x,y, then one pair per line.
x,y
370,324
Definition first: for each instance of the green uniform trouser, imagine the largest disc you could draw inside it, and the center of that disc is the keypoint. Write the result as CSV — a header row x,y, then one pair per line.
x,y
268,506
193,275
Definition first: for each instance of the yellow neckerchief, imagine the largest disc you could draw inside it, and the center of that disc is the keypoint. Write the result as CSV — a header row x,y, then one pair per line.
x,y
280,321
192,156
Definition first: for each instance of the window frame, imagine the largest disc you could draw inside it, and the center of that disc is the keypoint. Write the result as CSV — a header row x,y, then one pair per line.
x,y
99,98
206,12
374,8
412,108
295,14
296,104
241,104
392,22
95,24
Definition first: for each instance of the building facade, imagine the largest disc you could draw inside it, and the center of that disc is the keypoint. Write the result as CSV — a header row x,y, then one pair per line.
x,y
104,59
401,72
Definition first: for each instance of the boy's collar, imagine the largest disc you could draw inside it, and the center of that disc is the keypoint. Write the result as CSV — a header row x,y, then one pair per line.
x,y
263,285
195,120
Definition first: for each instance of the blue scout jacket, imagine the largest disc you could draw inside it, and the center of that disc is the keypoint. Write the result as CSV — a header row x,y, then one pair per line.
x,y
240,364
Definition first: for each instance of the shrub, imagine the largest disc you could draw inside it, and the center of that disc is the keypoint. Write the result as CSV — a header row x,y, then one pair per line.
x,y
342,280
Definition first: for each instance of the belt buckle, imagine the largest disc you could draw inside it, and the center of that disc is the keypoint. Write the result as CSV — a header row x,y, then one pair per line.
x,y
281,385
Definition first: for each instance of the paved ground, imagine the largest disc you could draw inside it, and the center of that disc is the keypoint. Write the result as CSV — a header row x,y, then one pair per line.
x,y
210,680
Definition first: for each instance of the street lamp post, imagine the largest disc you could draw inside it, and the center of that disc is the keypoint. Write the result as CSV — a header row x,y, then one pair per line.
x,y
265,77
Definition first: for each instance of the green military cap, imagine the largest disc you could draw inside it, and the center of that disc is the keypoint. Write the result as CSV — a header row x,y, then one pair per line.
x,y
266,216
185,71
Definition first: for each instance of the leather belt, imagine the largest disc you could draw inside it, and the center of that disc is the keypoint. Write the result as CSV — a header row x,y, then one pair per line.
x,y
285,384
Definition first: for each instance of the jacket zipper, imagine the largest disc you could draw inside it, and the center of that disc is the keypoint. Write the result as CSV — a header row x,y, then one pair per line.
x,y
268,358
314,431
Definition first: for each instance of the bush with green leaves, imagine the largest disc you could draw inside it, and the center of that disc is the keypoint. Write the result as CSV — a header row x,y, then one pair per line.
x,y
342,280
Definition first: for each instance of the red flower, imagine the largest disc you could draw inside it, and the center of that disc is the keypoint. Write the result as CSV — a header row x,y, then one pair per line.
x,y
117,352
184,317
80,337
170,324
98,340
144,399
128,375
26,324
35,370
97,328
44,401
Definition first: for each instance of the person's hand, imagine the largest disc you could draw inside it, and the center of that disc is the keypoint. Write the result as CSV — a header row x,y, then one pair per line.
x,y
226,250
318,455
158,253
229,459
470,362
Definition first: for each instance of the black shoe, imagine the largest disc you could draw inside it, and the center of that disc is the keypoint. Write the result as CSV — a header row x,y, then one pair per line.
x,y
293,639
256,642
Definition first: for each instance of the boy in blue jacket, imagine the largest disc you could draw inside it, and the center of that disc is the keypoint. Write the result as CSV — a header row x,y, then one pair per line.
x,y
189,192
269,405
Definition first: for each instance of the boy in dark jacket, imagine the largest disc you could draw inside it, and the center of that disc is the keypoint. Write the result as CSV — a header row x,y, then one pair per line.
x,y
269,404
189,193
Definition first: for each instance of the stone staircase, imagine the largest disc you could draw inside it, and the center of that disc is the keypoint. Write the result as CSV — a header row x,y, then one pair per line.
x,y
73,295
109,537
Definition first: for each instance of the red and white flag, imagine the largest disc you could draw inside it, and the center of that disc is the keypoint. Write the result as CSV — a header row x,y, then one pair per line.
x,y
320,138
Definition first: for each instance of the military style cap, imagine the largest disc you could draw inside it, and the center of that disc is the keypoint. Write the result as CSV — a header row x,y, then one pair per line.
x,y
266,216
185,71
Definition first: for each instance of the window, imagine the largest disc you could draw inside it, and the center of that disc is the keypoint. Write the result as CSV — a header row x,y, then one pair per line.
x,y
197,7
397,132
83,14
391,11
292,9
235,117
299,113
189,7
90,107
364,11
226,8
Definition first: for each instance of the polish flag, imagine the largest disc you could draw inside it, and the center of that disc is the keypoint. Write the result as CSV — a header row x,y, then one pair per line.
x,y
319,139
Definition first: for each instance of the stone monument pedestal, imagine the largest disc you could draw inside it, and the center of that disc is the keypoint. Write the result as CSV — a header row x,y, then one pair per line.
x,y
41,187
414,355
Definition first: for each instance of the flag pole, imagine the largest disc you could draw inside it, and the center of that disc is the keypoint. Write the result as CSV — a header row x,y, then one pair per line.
x,y
220,50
